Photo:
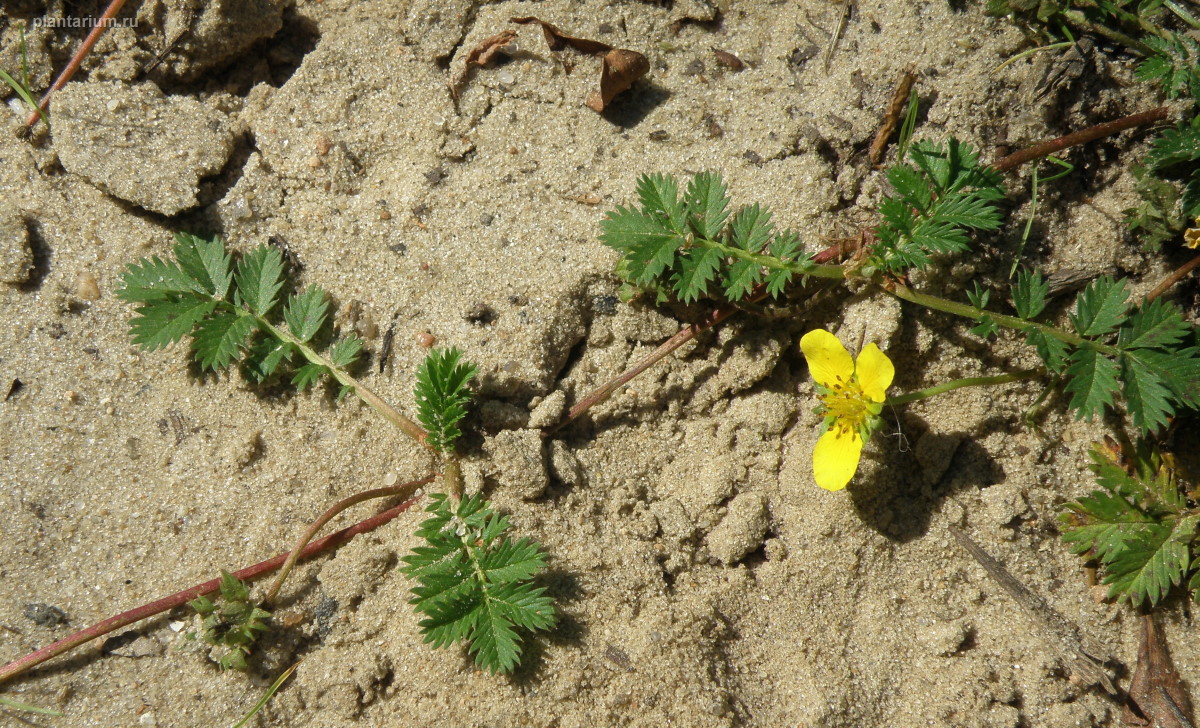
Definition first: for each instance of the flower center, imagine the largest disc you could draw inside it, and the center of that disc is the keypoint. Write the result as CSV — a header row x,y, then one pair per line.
x,y
848,405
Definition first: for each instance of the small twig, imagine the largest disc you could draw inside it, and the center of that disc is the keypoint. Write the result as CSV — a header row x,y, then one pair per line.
x,y
1083,136
405,489
1061,634
837,33
1174,278
110,12
333,540
165,52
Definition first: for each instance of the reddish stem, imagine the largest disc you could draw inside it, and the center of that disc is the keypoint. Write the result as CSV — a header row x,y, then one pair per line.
x,y
1083,136
682,337
1174,278
110,12
99,629
1037,151
298,550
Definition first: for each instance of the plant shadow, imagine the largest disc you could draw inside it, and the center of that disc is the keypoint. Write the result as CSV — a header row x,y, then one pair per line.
x,y
900,499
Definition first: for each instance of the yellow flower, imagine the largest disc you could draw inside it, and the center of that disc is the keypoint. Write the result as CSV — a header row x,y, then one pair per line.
x,y
852,395
1191,236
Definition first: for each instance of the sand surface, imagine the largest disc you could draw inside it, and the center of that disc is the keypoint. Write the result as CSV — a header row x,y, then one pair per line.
x,y
703,579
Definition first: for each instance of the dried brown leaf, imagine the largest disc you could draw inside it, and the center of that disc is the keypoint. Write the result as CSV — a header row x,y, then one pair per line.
x,y
1156,692
891,119
481,55
557,40
620,67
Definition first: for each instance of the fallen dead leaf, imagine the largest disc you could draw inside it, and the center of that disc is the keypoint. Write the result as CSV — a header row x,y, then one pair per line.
x,y
891,119
558,40
481,55
620,67
1156,692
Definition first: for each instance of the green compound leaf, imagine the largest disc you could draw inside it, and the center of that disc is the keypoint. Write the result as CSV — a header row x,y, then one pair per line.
x,y
442,395
1176,145
1157,324
264,357
232,621
707,204
155,279
1029,293
474,584
1174,65
1146,394
205,262
218,340
751,229
1052,351
679,263
648,244
696,271
305,313
659,195
159,324
934,206
1139,526
345,351
1092,379
259,279
1101,307
308,375
1152,560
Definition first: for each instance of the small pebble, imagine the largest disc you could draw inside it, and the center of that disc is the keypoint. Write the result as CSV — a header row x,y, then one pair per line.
x,y
426,339
44,615
323,145
86,287
506,78
390,479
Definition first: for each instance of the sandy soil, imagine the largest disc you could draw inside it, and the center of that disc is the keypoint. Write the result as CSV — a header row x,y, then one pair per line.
x,y
703,578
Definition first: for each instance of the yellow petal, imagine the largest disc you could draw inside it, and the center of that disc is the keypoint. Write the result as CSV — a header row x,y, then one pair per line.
x,y
875,372
835,458
828,361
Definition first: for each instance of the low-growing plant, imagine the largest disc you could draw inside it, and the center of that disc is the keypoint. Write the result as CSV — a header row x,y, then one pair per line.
x,y
1137,361
474,582
1140,359
21,85
1141,525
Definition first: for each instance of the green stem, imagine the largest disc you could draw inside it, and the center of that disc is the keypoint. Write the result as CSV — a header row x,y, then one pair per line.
x,y
967,382
798,267
380,405
976,314
1079,20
